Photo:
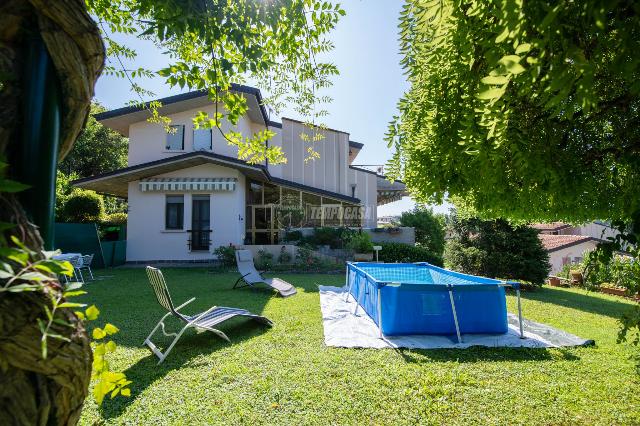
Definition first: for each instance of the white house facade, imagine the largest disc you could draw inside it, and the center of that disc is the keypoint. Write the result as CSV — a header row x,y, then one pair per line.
x,y
566,249
188,193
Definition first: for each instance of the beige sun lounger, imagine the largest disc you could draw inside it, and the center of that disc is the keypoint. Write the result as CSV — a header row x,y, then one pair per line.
x,y
251,277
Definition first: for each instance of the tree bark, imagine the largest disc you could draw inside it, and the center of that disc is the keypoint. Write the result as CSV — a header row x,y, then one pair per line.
x,y
33,390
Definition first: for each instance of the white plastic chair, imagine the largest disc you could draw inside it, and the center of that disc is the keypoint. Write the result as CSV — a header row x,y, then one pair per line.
x,y
76,262
86,264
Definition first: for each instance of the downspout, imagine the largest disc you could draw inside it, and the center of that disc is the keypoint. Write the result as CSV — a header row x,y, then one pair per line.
x,y
37,158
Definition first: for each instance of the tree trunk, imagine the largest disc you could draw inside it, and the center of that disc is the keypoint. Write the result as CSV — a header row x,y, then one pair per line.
x,y
36,390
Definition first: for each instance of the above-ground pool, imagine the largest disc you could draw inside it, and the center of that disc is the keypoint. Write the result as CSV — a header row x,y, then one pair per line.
x,y
419,298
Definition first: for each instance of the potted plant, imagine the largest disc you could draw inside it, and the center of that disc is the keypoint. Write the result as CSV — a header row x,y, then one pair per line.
x,y
576,277
362,247
609,288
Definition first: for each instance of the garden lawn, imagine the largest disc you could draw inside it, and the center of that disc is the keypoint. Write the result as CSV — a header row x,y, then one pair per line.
x,y
285,375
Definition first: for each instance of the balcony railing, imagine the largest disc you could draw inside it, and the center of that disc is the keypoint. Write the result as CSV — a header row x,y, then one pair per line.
x,y
199,239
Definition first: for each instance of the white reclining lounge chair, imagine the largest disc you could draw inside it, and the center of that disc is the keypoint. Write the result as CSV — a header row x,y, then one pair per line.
x,y
250,276
204,321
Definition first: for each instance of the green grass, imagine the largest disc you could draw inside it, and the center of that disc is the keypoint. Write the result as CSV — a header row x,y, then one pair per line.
x,y
285,375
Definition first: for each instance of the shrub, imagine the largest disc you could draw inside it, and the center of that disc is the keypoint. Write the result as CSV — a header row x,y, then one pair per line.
x,y
293,236
496,249
429,228
335,238
360,243
84,207
305,257
226,254
406,253
284,257
264,260
625,272
115,219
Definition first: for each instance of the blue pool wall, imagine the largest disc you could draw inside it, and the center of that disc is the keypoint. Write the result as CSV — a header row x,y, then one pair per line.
x,y
415,299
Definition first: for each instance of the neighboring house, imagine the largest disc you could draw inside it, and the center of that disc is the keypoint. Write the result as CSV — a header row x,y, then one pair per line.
x,y
599,230
188,192
389,220
564,249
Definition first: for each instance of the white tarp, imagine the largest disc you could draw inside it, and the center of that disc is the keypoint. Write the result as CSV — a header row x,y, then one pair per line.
x,y
344,329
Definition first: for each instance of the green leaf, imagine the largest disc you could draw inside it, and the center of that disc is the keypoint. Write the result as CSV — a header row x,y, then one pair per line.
x,y
92,312
58,336
523,48
75,293
7,185
110,329
110,346
98,333
503,36
72,305
498,79
493,93
23,287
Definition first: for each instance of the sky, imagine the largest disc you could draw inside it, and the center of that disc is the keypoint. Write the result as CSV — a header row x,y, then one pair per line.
x,y
364,94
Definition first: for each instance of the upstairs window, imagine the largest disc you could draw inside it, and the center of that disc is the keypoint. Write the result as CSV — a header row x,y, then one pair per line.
x,y
175,139
174,212
201,139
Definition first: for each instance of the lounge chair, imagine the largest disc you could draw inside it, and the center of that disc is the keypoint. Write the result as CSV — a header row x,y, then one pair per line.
x,y
251,277
204,321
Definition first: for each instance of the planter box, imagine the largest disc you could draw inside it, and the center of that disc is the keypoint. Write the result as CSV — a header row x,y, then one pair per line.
x,y
556,282
614,291
363,257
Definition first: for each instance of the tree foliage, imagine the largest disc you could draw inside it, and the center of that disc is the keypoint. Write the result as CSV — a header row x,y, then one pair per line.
x,y
211,44
98,149
83,206
526,110
429,228
496,249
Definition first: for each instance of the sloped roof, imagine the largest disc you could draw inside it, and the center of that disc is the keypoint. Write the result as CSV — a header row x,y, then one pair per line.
x,y
550,227
553,243
117,182
120,119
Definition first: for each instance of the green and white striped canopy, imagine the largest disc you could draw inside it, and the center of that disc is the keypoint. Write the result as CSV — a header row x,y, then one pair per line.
x,y
187,184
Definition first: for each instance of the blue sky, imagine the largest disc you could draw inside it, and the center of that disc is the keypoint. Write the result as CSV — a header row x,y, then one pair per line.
x,y
364,94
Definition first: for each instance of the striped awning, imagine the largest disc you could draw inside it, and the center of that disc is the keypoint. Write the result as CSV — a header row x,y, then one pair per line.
x,y
188,184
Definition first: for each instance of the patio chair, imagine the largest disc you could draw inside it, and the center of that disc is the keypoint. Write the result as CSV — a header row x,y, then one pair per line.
x,y
251,277
86,264
76,262
204,321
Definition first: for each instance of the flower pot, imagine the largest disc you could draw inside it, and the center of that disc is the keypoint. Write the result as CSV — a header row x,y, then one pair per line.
x,y
363,257
555,282
576,278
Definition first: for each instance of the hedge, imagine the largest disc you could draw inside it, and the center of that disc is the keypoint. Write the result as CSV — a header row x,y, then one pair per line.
x,y
405,253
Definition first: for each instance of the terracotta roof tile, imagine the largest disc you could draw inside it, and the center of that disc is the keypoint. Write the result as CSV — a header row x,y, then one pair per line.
x,y
551,226
557,242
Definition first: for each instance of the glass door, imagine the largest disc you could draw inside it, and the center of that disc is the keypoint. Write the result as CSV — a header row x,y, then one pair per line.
x,y
200,223
260,226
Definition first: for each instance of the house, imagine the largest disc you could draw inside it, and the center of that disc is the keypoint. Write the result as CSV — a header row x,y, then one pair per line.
x,y
564,249
188,192
597,229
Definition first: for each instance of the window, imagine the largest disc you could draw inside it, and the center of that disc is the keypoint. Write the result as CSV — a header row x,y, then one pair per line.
x,y
271,194
201,139
175,139
174,212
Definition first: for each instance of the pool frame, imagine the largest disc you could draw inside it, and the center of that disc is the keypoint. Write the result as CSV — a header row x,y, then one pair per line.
x,y
380,283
